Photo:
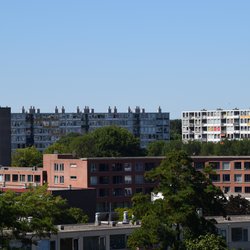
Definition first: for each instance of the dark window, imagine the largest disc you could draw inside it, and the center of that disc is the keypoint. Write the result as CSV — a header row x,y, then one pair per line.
x,y
237,189
237,165
247,189
37,178
118,192
103,192
247,165
247,177
103,180
199,165
117,179
118,241
226,177
215,164
103,167
139,167
117,167
148,166
7,177
214,177
14,177
239,234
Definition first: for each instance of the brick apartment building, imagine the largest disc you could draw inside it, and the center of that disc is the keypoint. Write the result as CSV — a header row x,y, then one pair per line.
x,y
116,179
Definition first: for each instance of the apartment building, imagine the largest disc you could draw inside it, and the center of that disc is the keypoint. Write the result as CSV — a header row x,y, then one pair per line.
x,y
32,127
115,179
5,136
231,173
216,125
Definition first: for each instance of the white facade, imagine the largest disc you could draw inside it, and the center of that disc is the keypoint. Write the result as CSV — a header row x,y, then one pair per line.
x,y
215,125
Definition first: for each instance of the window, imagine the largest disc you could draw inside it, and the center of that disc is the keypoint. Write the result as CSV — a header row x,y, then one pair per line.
x,y
58,167
103,192
215,165
1,177
239,234
30,178
127,167
7,177
127,191
118,179
226,177
92,167
93,180
149,166
138,190
37,178
73,165
22,177
73,177
247,177
237,189
237,165
118,241
61,179
238,178
226,189
215,177
103,167
104,180
247,165
117,167
139,167
226,165
247,189
139,179
117,192
128,179
15,178
199,165
56,179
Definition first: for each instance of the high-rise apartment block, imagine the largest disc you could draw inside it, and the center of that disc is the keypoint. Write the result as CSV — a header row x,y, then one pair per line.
x,y
42,129
216,125
5,136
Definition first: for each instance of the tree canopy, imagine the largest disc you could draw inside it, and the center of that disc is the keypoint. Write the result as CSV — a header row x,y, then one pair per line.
x,y
188,195
35,211
27,157
109,141
225,147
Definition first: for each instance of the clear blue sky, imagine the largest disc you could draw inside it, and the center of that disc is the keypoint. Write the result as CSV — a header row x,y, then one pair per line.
x,y
180,55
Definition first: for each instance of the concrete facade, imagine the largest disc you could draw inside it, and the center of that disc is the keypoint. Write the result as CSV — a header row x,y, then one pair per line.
x,y
33,128
216,125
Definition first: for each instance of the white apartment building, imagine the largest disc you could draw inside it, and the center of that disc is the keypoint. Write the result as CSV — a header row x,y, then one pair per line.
x,y
216,125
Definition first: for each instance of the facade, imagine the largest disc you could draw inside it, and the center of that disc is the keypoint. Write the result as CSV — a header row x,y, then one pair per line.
x,y
236,231
231,173
42,129
115,179
5,136
216,125
20,178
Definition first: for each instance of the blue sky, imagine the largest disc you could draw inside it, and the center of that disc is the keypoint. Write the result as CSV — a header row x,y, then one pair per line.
x,y
180,55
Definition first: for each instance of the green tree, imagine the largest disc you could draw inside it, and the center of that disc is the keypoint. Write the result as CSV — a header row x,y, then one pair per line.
x,y
156,148
237,205
33,214
185,192
175,129
110,141
27,157
207,242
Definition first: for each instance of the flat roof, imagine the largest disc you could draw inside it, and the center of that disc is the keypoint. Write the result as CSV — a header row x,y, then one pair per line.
x,y
230,218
